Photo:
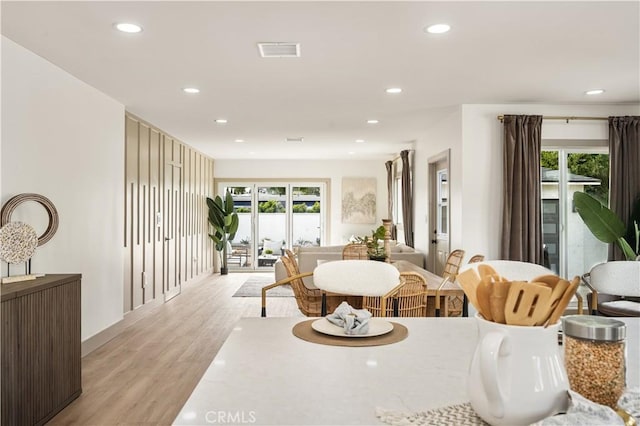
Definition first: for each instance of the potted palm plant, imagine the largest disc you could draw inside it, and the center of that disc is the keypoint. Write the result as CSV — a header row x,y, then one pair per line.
x,y
606,226
224,221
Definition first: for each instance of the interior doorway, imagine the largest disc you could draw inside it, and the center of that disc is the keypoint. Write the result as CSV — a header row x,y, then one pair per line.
x,y
439,212
172,208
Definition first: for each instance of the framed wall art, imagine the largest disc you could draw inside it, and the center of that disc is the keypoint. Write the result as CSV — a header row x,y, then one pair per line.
x,y
358,200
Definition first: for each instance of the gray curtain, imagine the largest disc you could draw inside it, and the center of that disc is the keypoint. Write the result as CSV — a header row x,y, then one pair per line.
x,y
521,212
407,198
624,166
389,166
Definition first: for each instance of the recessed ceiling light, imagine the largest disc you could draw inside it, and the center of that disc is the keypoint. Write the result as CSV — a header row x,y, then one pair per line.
x,y
128,28
221,120
394,90
351,152
252,153
191,90
594,92
373,121
437,28
239,140
297,139
359,140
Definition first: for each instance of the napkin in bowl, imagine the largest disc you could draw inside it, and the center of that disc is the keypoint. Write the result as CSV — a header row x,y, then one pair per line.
x,y
354,321
582,411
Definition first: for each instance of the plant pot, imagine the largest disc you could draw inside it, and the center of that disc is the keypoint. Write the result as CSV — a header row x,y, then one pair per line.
x,y
224,271
378,258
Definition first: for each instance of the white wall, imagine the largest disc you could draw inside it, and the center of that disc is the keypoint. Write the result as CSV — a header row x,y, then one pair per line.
x,y
334,170
64,139
442,133
481,161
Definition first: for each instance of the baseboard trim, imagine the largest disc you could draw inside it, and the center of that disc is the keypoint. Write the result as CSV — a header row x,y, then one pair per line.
x,y
131,317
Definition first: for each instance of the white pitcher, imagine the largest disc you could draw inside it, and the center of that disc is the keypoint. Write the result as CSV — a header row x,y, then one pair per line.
x,y
517,375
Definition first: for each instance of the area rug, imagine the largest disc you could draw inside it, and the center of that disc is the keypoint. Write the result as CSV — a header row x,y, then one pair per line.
x,y
252,287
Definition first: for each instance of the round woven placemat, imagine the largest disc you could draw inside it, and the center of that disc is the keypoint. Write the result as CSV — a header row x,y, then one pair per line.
x,y
303,331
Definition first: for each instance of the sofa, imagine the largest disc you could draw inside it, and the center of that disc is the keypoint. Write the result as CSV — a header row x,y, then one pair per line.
x,y
308,258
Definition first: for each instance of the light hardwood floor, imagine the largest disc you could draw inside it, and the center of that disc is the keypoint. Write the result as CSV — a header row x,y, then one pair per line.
x,y
146,373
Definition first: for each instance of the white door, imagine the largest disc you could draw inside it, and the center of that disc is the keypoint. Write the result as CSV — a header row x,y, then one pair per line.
x,y
439,214
172,182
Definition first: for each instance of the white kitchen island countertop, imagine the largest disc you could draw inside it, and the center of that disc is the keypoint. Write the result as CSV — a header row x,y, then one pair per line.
x,y
264,375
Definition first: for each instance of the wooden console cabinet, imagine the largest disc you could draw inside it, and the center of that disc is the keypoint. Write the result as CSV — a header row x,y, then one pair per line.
x,y
40,355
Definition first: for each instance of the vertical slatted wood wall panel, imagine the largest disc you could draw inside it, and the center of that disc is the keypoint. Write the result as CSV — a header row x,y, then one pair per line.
x,y
188,207
163,176
131,172
210,189
177,193
155,228
198,210
143,211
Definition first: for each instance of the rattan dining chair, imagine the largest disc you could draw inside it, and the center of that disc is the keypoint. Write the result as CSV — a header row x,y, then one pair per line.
x,y
408,299
476,258
355,251
292,257
309,300
450,272
451,268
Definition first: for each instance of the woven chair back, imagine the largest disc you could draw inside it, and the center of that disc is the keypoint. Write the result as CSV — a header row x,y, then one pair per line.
x,y
452,266
292,257
355,251
476,258
309,300
411,298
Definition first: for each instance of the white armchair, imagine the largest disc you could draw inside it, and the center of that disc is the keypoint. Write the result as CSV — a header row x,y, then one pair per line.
x,y
617,278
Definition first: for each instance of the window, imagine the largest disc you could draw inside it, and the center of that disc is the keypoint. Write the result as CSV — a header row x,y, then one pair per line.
x,y
275,214
569,245
397,200
442,213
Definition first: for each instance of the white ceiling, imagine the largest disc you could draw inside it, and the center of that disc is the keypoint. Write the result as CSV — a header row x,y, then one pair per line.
x,y
496,52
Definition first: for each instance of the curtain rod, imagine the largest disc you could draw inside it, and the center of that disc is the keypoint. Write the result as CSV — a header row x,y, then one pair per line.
x,y
561,117
397,157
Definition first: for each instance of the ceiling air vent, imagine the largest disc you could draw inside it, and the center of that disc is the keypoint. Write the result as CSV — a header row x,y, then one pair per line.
x,y
294,139
279,50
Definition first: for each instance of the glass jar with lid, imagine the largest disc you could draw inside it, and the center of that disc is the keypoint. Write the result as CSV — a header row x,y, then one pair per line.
x,y
594,357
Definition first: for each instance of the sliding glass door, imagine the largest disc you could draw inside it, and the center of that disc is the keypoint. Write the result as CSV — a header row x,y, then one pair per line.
x,y
274,216
570,247
272,223
307,215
